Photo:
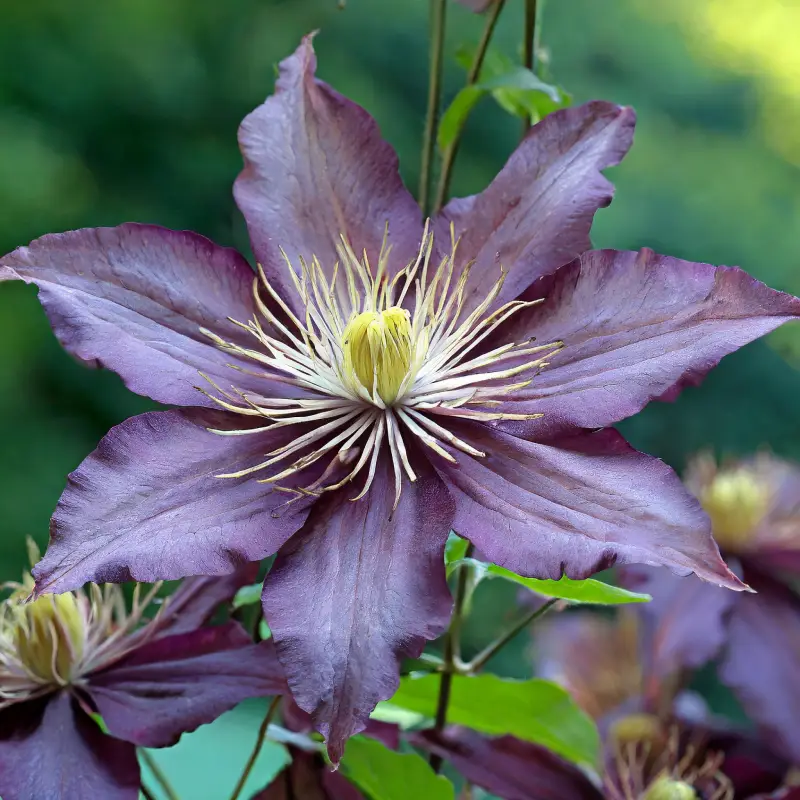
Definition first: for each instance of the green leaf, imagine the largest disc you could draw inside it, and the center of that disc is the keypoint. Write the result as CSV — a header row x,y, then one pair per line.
x,y
585,591
247,595
455,549
384,774
535,710
263,630
514,90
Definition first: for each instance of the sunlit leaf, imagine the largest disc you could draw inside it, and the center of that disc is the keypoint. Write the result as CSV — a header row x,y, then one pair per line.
x,y
455,549
384,774
535,710
585,591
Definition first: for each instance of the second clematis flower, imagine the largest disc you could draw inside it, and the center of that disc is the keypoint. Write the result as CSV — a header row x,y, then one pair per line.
x,y
380,380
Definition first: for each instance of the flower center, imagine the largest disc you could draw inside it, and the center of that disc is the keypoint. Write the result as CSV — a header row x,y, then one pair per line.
x,y
736,501
667,789
378,350
378,358
49,635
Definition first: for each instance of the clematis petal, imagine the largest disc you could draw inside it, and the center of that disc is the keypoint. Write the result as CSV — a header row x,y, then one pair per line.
x,y
683,627
134,298
536,214
147,505
316,168
760,664
508,767
174,684
308,778
357,588
636,327
575,505
49,748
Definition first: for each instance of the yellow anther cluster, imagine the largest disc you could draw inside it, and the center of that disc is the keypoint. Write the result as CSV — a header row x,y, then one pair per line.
x,y
49,635
378,350
736,500
667,789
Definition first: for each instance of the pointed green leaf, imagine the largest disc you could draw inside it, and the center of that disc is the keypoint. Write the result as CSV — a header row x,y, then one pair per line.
x,y
585,591
383,774
535,710
247,595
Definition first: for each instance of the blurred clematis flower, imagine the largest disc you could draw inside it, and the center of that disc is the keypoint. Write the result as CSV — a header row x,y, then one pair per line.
x,y
381,380
754,505
64,658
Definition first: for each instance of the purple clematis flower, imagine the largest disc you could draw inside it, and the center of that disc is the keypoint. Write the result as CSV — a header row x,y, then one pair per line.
x,y
65,657
754,505
399,364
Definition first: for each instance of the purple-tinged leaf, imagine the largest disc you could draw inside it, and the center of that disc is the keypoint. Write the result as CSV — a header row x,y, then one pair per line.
x,y
359,587
316,168
147,504
576,505
49,748
174,684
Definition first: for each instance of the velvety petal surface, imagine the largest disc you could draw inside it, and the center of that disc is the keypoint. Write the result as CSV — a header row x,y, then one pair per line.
x,y
356,589
684,626
49,748
134,298
636,327
308,778
176,683
146,505
316,168
760,665
508,767
536,214
576,505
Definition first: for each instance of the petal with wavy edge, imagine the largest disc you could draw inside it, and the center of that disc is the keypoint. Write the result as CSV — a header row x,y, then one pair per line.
x,y
760,664
536,214
134,298
356,589
174,684
49,748
147,504
508,767
317,168
576,505
636,327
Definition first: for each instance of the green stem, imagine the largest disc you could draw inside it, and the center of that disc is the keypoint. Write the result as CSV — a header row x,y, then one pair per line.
x,y
148,795
160,778
437,31
452,653
449,156
261,737
530,44
498,644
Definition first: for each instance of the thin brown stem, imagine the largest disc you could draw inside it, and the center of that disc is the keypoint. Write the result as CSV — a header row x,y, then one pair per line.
x,y
260,739
160,778
148,795
530,44
473,76
437,32
498,644
452,653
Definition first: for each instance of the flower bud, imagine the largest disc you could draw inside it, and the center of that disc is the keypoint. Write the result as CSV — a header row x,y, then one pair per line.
x,y
378,350
668,789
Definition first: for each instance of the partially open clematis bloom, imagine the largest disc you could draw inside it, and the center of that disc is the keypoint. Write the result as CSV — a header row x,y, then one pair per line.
x,y
65,657
380,380
754,505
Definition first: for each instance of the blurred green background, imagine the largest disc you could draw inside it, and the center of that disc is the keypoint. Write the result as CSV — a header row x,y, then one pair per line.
x,y
120,110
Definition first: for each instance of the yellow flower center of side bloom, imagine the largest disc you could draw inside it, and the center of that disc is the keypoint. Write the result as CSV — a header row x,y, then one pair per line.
x,y
378,350
49,635
736,501
667,789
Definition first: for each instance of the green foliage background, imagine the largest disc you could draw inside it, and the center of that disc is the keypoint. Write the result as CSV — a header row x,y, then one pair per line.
x,y
115,110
